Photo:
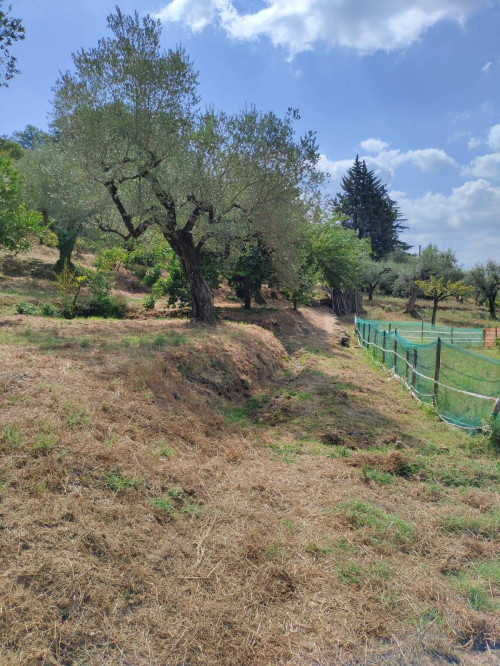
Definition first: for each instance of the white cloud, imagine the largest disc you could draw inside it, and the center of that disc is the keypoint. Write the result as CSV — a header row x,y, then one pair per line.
x,y
384,162
494,137
197,14
473,142
486,67
301,25
373,145
485,166
467,220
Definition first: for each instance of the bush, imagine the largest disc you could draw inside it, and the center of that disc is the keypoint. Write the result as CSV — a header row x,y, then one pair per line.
x,y
48,238
151,276
111,259
108,308
149,302
49,310
26,309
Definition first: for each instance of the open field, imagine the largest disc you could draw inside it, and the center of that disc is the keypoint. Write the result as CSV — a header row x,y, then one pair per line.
x,y
251,493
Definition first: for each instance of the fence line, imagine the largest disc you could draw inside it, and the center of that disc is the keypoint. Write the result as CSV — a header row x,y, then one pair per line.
x,y
462,386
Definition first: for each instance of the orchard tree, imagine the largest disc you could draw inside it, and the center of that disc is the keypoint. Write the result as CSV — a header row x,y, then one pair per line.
x,y
485,279
371,274
129,114
58,188
17,222
439,289
432,262
11,30
337,254
365,207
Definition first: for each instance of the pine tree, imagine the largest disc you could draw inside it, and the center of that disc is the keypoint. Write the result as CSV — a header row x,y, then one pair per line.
x,y
366,208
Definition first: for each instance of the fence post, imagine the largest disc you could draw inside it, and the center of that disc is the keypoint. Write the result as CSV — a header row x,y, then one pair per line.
x,y
496,409
422,335
375,343
390,324
413,373
395,360
369,334
383,349
437,370
364,336
407,366
452,335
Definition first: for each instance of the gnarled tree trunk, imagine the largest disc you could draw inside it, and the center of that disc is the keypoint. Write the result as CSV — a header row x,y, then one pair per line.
x,y
203,303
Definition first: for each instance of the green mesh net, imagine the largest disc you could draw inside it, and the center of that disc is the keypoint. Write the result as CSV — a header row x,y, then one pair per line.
x,y
463,386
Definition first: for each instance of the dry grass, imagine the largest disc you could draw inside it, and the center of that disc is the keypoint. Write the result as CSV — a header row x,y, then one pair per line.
x,y
173,494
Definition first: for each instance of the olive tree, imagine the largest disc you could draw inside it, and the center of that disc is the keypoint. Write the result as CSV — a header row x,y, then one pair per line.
x,y
129,113
58,188
485,279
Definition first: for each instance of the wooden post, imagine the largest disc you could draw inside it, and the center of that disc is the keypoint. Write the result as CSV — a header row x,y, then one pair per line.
x,y
496,408
390,324
375,343
383,349
407,366
452,335
422,336
369,333
437,371
364,330
413,373
395,360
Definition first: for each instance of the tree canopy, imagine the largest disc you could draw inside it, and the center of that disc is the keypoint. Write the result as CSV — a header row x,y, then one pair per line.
x,y
11,30
365,207
16,221
207,180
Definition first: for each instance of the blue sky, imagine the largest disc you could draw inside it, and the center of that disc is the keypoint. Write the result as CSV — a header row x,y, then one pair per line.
x,y
413,87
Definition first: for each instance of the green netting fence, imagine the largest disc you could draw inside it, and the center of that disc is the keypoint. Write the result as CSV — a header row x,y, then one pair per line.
x,y
463,386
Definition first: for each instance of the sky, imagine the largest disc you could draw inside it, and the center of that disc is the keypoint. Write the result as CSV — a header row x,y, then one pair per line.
x,y
412,87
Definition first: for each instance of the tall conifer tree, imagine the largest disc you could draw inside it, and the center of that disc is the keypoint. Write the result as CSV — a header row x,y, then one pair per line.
x,y
366,208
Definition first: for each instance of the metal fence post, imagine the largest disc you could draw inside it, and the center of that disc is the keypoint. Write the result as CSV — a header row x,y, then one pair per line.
x,y
383,348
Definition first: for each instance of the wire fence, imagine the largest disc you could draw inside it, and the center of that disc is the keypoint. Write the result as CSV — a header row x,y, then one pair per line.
x,y
463,386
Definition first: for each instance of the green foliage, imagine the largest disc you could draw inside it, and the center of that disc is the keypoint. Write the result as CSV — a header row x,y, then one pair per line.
x,y
102,304
69,286
149,302
337,254
118,482
383,526
49,310
485,279
16,221
250,270
11,30
366,208
48,238
111,259
209,181
26,309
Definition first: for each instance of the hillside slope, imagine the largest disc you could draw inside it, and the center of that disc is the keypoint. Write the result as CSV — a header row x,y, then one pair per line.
x,y
173,494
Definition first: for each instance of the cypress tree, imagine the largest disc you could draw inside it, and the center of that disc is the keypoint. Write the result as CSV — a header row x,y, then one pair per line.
x,y
366,208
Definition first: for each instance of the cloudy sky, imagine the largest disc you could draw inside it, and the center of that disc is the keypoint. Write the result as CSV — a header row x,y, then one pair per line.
x,y
413,87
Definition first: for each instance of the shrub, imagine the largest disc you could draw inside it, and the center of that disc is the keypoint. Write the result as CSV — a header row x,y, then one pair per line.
x,y
49,310
111,259
151,276
149,302
26,309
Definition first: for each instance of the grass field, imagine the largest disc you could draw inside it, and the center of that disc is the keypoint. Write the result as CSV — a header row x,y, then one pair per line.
x,y
251,493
